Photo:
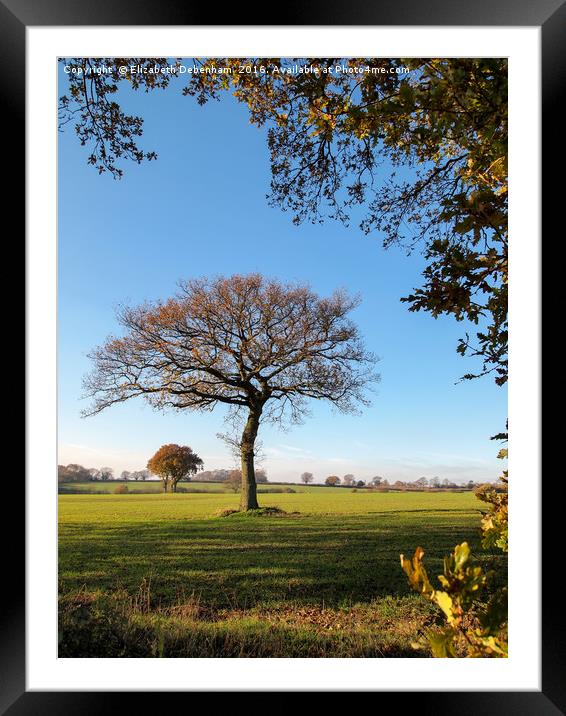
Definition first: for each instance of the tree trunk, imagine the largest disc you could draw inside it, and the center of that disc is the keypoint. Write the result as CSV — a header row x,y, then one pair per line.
x,y
248,493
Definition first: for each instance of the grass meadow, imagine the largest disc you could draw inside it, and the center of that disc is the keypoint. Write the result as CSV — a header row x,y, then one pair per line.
x,y
164,575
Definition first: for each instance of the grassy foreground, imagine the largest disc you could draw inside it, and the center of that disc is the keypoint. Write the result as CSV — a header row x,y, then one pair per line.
x,y
161,575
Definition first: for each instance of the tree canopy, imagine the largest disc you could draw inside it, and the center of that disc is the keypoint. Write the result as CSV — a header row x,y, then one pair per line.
x,y
173,463
307,477
419,145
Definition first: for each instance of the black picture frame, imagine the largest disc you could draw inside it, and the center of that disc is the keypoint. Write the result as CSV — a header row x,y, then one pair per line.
x,y
15,16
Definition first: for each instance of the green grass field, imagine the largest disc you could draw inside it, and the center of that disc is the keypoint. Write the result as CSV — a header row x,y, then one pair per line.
x,y
161,575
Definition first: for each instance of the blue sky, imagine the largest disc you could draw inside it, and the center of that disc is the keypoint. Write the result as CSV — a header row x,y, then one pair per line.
x,y
201,209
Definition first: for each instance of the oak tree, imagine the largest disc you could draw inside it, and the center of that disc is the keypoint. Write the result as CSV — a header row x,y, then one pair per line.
x,y
307,477
261,476
234,480
106,473
261,347
173,463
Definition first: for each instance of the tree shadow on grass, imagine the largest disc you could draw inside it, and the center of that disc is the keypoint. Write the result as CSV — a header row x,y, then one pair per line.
x,y
334,561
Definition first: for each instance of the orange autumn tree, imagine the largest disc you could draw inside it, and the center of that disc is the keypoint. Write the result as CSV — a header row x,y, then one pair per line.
x,y
259,346
173,463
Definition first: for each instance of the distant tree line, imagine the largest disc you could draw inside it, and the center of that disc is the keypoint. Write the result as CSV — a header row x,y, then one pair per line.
x,y
225,475
232,478
421,483
135,475
77,473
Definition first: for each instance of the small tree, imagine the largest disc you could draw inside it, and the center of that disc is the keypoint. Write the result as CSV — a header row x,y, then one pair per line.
x,y
126,475
106,473
349,479
448,483
307,477
261,475
173,463
332,480
141,474
234,480
259,346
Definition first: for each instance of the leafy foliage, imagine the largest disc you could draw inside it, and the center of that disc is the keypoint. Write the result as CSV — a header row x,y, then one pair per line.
x,y
98,119
474,628
462,584
494,523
